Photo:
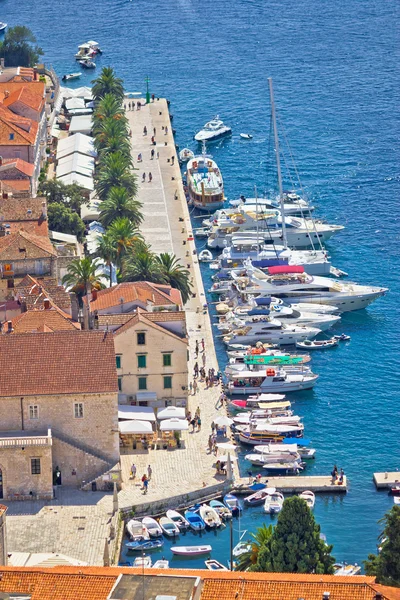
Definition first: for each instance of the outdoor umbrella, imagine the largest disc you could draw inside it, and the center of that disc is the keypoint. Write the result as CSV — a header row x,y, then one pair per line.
x,y
223,420
174,425
171,412
227,457
138,427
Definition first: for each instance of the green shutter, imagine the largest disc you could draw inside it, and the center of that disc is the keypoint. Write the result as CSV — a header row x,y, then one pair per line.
x,y
141,361
167,360
167,382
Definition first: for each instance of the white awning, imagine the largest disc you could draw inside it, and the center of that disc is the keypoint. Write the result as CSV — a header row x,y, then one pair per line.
x,y
146,396
174,425
75,163
72,103
83,181
76,143
135,427
140,413
81,124
171,412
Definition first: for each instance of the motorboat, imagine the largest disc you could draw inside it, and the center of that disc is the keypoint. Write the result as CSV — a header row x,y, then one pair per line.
x,y
259,460
272,331
205,186
169,527
342,337
186,154
191,550
152,527
285,315
246,136
345,569
317,344
195,521
141,545
221,509
178,519
273,502
205,256
395,490
85,51
212,131
71,76
239,367
233,504
281,468
271,408
396,500
3,26
137,530
87,64
268,434
161,564
263,414
293,204
274,380
302,447
95,47
214,565
144,562
257,498
309,497
210,516
241,548
265,356
290,449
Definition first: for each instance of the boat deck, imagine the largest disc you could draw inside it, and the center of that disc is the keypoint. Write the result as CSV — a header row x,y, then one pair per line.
x,y
386,480
315,483
211,181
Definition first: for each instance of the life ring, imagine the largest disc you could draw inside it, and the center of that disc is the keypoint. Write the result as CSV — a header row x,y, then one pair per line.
x,y
271,372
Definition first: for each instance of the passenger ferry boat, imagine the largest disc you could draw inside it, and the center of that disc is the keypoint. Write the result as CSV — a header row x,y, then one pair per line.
x,y
204,183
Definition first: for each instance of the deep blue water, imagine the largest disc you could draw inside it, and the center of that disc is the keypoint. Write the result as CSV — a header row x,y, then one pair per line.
x,y
335,71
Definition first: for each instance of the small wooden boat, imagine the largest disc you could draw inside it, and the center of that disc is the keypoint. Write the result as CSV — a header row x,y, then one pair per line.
x,y
257,498
233,504
309,497
190,550
342,337
195,521
317,344
221,509
161,564
246,136
139,546
152,527
170,528
273,502
210,516
214,565
136,530
185,154
205,256
71,76
144,562
178,519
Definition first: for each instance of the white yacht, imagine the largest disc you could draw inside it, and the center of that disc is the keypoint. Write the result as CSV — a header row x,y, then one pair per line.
x,y
292,284
294,205
272,332
272,381
212,131
205,186
273,503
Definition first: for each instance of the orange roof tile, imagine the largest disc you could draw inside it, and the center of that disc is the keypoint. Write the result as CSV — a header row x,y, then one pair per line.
x,y
21,245
24,130
24,214
141,291
17,185
17,163
33,290
52,319
35,87
141,317
26,96
63,362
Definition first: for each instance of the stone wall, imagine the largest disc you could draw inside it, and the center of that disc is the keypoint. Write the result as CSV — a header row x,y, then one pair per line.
x,y
18,481
76,465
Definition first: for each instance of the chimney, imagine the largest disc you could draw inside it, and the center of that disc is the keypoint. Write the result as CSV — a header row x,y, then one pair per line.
x,y
378,596
9,327
44,212
326,595
35,74
94,294
46,304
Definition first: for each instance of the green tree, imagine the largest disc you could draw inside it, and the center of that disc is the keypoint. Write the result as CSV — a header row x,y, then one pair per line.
x,y
106,250
56,191
386,565
108,83
115,171
295,545
248,560
64,220
125,238
109,107
120,204
175,274
143,265
19,47
82,276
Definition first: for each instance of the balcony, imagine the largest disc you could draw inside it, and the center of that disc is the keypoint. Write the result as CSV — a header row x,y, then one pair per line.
x,y
22,439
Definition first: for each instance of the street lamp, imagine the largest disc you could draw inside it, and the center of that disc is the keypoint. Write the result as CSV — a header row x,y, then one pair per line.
x,y
147,80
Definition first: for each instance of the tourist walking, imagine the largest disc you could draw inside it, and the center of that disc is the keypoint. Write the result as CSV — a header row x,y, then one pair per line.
x,y
207,382
196,369
197,349
129,106
172,160
139,105
210,443
133,106
133,471
202,345
204,358
149,472
198,423
150,177
139,157
143,177
193,423
191,388
195,387
197,413
158,155
152,154
165,130
145,130
154,131
145,483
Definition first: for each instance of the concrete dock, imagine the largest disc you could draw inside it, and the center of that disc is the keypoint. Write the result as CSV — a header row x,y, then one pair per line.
x,y
315,483
386,480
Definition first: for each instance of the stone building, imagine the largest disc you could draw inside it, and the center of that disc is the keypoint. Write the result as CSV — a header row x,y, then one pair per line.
x,y
65,382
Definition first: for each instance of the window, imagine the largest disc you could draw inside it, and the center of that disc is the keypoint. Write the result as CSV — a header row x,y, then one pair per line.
x,y
11,136
35,466
120,384
78,410
167,360
118,361
34,411
141,339
167,382
141,361
10,283
142,383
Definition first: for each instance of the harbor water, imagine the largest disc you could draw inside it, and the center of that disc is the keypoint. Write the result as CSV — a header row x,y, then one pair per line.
x,y
335,71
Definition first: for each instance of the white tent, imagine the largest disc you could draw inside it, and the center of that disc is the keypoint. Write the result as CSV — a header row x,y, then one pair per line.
x,y
135,427
84,182
76,143
140,413
171,412
75,163
81,124
72,103
174,425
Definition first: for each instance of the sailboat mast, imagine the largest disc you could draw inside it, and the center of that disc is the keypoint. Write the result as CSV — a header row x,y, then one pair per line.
x,y
256,197
278,161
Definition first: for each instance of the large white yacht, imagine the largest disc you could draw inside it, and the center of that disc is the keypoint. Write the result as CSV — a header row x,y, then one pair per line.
x,y
293,285
293,204
212,131
273,380
271,332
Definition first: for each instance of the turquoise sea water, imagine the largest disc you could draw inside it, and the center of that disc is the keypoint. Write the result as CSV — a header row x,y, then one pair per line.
x,y
335,71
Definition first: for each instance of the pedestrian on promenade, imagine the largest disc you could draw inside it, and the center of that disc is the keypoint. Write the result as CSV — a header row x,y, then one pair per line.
x,y
166,130
202,374
139,105
129,106
172,160
188,416
154,131
125,107
130,133
195,387
196,369
210,443
158,155
133,471
139,157
207,382
212,428
191,388
133,106
150,177
198,423
145,130
193,423
197,413
152,154
202,345
144,478
204,359
152,97
197,349
149,472
143,177
341,476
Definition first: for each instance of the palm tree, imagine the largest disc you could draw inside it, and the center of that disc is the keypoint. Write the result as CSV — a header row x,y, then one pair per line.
x,y
124,237
175,274
109,107
112,144
81,276
107,83
107,252
120,204
143,266
115,171
109,128
247,560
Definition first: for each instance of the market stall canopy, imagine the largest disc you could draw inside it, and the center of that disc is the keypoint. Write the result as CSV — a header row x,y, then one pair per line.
x,y
174,425
84,182
227,457
72,103
137,413
135,427
171,412
75,163
81,124
76,143
223,420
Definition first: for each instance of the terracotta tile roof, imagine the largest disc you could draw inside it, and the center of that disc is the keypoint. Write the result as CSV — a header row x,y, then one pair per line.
x,y
33,291
24,214
165,316
16,185
35,87
52,319
26,96
141,317
141,291
111,320
21,245
63,362
24,130
20,165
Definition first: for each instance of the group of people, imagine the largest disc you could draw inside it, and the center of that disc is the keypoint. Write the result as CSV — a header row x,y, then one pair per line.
x,y
131,105
145,479
195,421
149,177
336,476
